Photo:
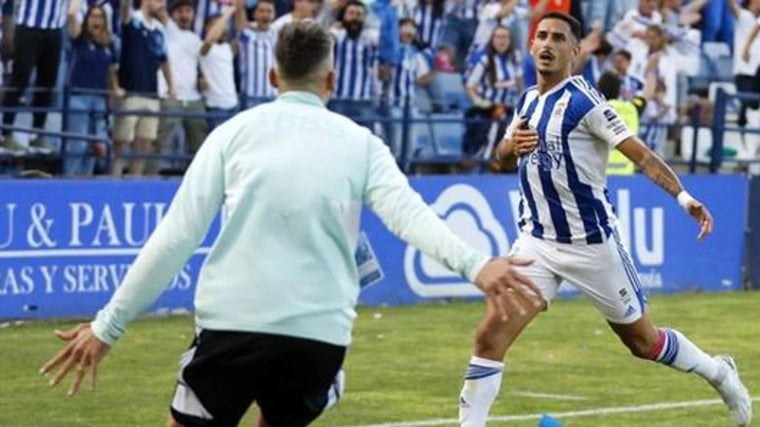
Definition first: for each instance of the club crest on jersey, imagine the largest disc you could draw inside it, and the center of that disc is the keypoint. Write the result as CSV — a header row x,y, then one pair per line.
x,y
559,109
548,155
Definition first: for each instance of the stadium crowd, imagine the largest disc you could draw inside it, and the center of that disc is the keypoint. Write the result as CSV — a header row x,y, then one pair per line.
x,y
188,65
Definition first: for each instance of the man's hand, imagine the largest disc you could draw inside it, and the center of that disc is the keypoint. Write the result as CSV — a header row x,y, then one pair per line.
x,y
501,283
83,351
699,212
524,140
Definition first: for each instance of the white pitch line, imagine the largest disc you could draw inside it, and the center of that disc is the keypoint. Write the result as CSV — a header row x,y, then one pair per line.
x,y
549,396
561,415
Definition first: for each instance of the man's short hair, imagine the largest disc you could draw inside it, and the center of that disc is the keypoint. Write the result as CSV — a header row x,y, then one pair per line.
x,y
405,21
609,85
625,54
176,4
301,49
575,26
271,2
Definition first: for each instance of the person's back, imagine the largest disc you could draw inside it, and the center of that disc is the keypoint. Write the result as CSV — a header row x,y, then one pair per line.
x,y
295,178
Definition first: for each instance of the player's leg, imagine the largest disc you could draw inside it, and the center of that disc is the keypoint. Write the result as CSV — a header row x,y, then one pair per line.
x,y
219,378
123,135
494,337
301,382
606,275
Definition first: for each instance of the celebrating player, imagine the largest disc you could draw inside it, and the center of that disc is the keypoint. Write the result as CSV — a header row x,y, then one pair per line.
x,y
561,134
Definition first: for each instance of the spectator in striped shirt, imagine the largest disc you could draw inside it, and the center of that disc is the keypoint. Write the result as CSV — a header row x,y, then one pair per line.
x,y
459,28
656,118
355,52
204,10
38,40
428,17
630,85
412,69
256,52
492,82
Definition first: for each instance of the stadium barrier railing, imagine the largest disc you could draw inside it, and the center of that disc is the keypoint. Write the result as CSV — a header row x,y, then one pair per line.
x,y
408,154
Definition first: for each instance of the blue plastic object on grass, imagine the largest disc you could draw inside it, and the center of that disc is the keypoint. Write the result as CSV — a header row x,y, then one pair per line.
x,y
547,421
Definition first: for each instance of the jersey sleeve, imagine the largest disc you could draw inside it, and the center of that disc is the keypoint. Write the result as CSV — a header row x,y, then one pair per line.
x,y
183,227
604,123
423,67
407,216
475,74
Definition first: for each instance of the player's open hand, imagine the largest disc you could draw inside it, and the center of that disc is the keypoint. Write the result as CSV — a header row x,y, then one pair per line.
x,y
524,139
699,212
83,352
505,287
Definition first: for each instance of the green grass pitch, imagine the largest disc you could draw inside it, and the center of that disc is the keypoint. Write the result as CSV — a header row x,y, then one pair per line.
x,y
406,364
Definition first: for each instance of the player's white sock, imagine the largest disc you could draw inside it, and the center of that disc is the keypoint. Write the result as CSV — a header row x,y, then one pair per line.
x,y
481,385
676,351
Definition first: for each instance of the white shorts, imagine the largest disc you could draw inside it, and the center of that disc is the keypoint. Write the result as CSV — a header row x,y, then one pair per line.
x,y
604,273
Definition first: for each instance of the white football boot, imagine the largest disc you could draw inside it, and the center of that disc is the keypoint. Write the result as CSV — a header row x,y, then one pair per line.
x,y
733,392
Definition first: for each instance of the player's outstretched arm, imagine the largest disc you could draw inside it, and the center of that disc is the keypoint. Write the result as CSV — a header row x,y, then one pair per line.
x,y
177,236
402,210
661,174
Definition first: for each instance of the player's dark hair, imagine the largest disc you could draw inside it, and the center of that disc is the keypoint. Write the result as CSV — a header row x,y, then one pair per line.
x,y
301,48
625,54
609,85
575,26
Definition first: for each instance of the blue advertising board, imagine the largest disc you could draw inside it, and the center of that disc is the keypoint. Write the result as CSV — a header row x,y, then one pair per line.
x,y
65,245
658,234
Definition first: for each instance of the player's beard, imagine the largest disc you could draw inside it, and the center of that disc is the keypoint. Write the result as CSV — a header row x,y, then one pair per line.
x,y
353,28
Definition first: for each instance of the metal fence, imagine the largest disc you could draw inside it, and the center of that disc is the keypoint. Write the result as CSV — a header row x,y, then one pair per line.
x,y
425,138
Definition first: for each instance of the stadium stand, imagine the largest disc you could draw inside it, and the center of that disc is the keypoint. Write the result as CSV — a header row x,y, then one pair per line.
x,y
440,101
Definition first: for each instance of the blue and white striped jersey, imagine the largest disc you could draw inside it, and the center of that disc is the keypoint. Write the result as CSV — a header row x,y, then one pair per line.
x,y
205,9
630,86
563,181
465,9
256,58
42,14
508,70
428,25
653,131
412,66
355,61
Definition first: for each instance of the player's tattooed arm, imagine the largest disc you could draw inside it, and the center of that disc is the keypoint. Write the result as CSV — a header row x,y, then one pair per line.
x,y
651,165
